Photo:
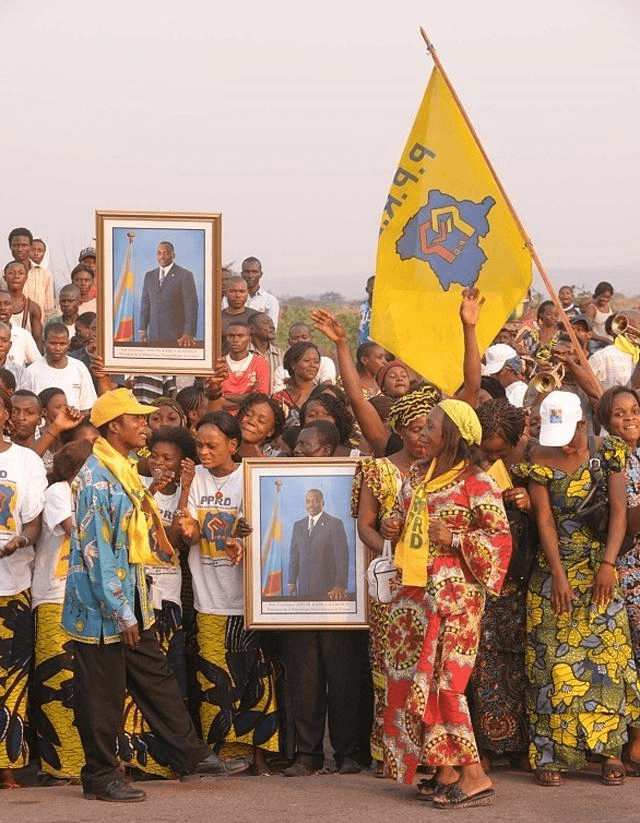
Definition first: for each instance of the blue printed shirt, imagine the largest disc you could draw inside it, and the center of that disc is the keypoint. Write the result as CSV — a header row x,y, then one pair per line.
x,y
101,584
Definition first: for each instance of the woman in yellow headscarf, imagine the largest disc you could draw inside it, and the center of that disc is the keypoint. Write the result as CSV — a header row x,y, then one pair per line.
x,y
454,546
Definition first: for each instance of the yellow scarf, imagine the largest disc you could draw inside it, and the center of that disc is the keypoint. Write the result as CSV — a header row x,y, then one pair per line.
x,y
148,543
412,551
627,346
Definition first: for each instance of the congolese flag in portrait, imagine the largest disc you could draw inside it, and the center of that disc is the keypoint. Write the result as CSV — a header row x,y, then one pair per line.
x,y
123,330
271,550
445,226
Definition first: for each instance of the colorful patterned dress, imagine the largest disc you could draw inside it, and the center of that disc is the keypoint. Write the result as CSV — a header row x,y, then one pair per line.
x,y
433,632
498,686
583,685
628,565
384,480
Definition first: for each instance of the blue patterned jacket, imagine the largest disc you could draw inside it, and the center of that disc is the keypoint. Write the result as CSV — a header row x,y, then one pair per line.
x,y
101,584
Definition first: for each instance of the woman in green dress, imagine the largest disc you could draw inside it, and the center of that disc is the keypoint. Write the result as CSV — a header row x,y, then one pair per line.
x,y
583,685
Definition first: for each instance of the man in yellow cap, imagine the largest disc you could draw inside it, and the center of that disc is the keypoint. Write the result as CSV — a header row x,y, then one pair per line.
x,y
116,530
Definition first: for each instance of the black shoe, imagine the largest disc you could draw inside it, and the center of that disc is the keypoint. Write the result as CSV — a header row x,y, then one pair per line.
x,y
349,766
298,769
117,792
215,766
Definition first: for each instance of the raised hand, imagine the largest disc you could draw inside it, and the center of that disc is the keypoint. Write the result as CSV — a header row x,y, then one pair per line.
x,y
470,306
162,477
329,325
67,418
187,473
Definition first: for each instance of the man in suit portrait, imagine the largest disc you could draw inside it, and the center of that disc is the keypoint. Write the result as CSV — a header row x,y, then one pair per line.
x,y
169,308
319,558
324,667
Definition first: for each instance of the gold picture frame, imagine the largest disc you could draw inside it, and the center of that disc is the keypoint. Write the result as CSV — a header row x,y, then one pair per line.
x,y
179,308
296,577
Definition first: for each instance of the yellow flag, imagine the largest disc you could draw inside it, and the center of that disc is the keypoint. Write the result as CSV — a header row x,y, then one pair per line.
x,y
445,226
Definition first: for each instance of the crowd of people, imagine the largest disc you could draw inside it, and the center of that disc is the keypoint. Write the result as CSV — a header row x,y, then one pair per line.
x,y
513,632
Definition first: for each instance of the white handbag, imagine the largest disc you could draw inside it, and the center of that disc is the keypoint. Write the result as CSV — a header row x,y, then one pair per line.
x,y
381,575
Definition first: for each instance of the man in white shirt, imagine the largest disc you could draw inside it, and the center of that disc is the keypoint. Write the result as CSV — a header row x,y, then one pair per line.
x,y
259,299
301,333
612,366
39,285
23,347
66,373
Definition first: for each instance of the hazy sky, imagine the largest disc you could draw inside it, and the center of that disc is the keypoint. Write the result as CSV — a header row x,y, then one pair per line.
x,y
289,117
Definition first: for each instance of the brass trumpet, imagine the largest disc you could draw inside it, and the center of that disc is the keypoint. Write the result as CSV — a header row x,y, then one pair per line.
x,y
621,325
546,381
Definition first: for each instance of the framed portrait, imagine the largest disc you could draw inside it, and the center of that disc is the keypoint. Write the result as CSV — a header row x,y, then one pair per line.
x,y
305,565
158,292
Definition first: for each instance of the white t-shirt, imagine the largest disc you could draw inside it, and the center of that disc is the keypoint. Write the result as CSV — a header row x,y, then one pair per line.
x,y
167,579
74,380
23,481
23,347
216,503
58,505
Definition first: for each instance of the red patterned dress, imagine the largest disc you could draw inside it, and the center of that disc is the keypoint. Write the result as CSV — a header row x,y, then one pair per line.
x,y
433,632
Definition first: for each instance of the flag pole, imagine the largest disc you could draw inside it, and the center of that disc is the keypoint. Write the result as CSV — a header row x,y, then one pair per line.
x,y
527,240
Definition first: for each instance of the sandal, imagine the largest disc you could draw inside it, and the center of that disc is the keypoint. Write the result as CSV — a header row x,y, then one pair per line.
x,y
613,774
547,778
455,797
428,788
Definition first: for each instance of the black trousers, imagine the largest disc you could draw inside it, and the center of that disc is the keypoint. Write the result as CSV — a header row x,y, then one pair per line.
x,y
102,674
324,671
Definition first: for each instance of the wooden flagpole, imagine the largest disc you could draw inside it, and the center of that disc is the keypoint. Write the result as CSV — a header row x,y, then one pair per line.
x,y
527,240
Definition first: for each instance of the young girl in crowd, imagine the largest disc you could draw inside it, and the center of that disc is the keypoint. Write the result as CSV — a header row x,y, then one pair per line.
x,y
58,742
171,462
583,686
261,422
302,363
237,695
619,414
24,476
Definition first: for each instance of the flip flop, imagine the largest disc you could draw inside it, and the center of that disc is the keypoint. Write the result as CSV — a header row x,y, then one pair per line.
x,y
547,778
613,774
429,787
456,798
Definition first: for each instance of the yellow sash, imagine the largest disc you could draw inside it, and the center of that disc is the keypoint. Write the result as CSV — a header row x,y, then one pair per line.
x,y
145,523
412,550
500,474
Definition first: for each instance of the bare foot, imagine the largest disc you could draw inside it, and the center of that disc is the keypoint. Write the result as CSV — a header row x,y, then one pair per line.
x,y
632,749
7,779
473,779
446,775
260,762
